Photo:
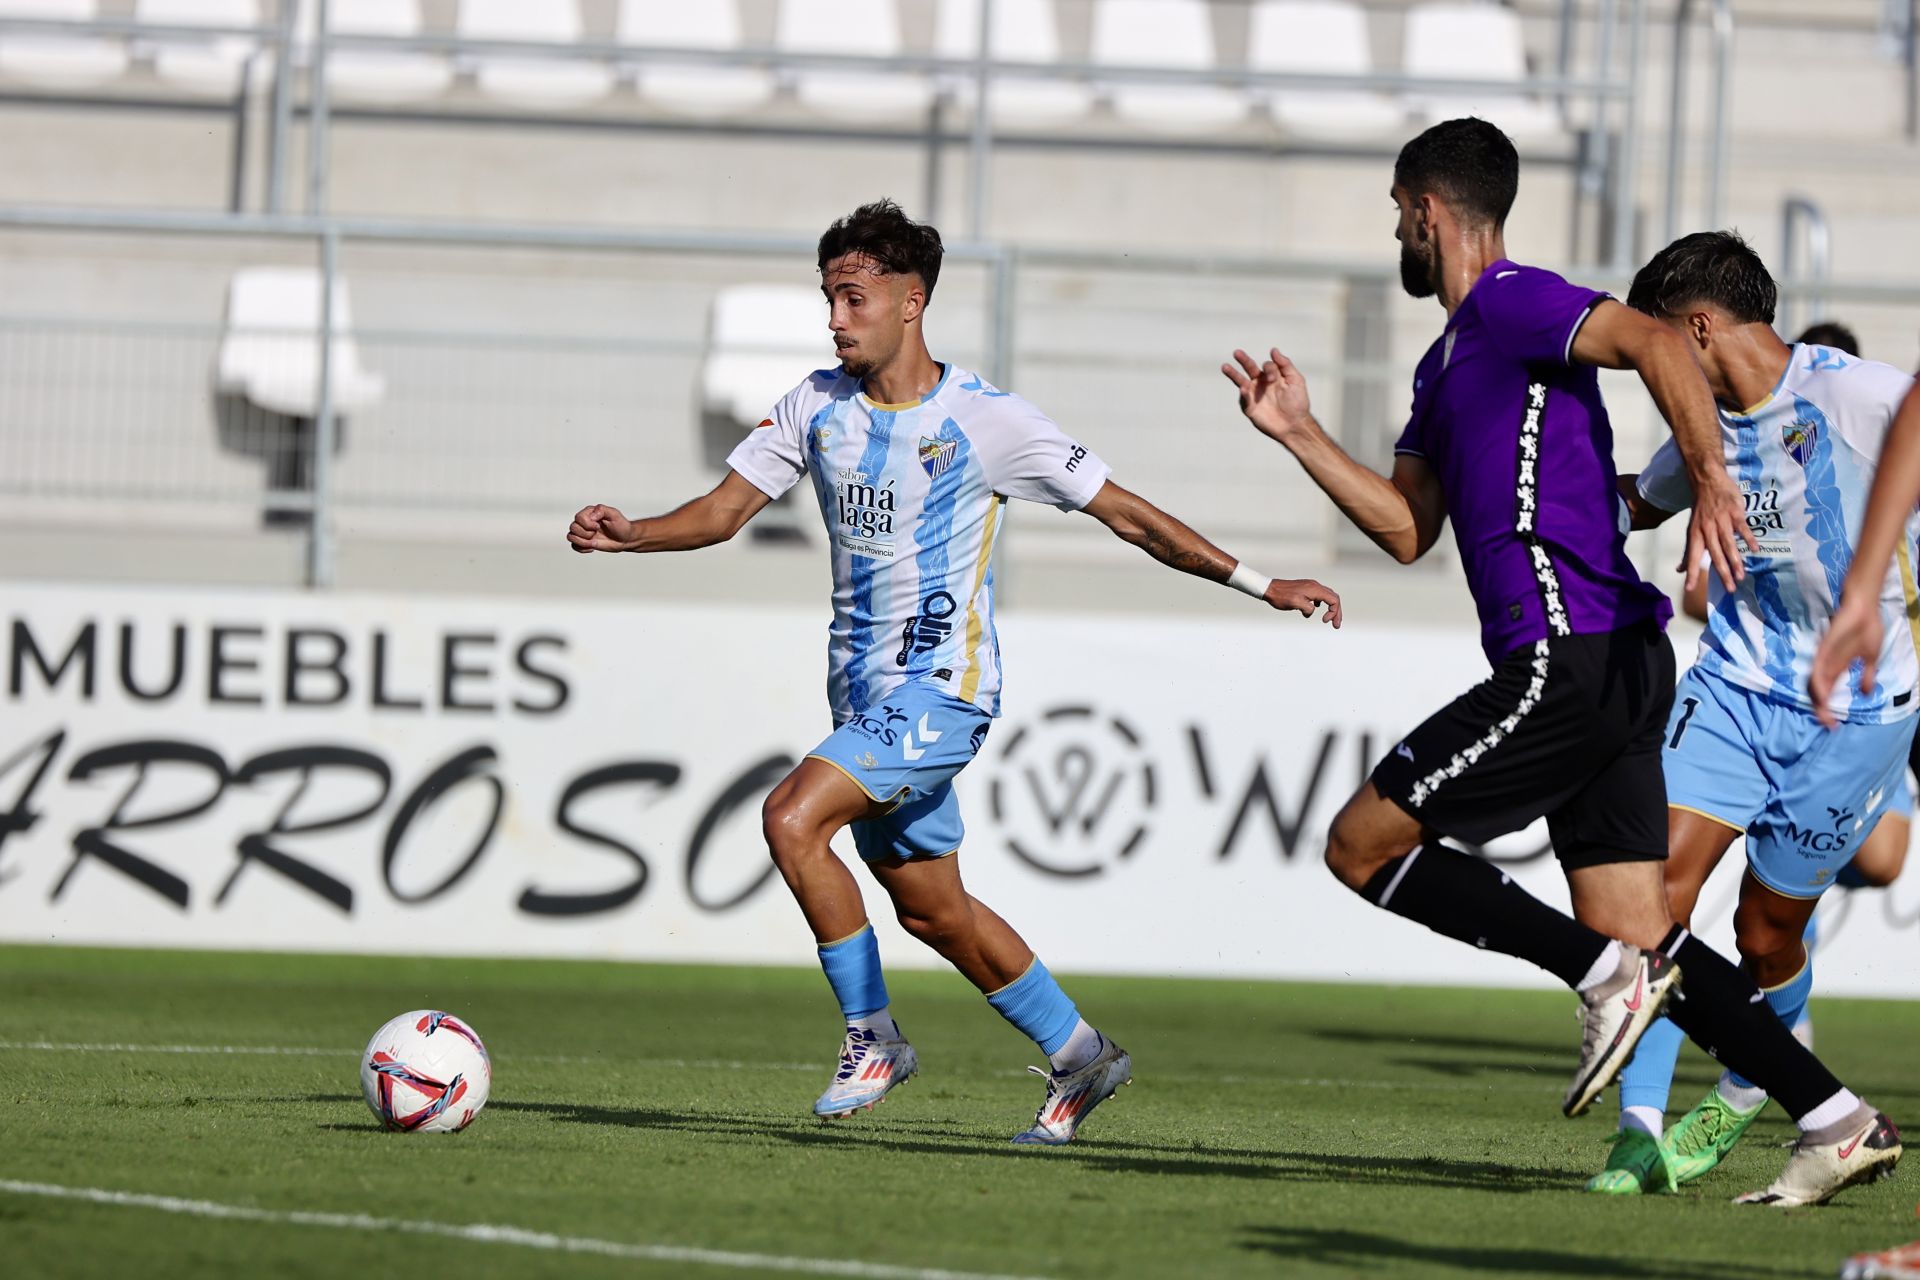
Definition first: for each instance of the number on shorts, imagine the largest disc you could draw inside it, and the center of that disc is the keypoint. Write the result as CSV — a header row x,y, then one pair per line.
x,y
1691,705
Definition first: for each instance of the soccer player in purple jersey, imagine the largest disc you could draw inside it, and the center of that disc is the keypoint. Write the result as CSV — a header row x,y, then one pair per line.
x,y
1509,436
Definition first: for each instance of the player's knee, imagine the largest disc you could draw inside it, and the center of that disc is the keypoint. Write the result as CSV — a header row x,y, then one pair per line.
x,y
1771,950
786,826
1348,856
940,930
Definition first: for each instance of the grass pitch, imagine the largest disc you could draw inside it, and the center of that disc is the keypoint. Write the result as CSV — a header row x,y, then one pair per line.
x,y
1273,1129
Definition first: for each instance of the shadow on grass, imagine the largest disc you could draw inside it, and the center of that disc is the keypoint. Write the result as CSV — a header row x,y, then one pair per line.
x,y
1110,1156
1362,1251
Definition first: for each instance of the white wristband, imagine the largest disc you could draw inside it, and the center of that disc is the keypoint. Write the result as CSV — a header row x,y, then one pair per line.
x,y
1245,579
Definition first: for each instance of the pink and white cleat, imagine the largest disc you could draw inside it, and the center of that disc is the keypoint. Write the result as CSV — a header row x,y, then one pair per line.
x,y
870,1068
1072,1095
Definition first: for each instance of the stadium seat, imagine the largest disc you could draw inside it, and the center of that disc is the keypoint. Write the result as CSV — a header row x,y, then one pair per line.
x,y
870,27
1023,31
1474,42
539,83
64,62
688,88
761,340
270,352
1328,37
209,66
1169,34
377,75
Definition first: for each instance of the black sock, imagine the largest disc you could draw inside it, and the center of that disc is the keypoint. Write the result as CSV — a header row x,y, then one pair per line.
x,y
1725,1014
1464,897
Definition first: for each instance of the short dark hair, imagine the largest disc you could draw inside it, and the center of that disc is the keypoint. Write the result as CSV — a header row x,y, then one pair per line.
x,y
1831,333
888,236
1468,163
1715,267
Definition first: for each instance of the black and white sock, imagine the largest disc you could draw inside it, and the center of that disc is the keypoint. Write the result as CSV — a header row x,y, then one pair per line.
x,y
1728,1016
1469,899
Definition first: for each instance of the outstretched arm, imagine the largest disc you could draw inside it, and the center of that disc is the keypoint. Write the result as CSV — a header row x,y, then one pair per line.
x,y
710,518
1133,519
1857,631
1616,336
1402,514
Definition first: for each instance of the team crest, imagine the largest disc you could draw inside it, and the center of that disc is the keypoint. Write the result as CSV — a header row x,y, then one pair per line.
x,y
1798,437
937,455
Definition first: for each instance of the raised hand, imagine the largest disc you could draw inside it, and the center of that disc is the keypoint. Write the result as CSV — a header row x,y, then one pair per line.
x,y
1719,528
599,528
1303,596
1272,395
1855,633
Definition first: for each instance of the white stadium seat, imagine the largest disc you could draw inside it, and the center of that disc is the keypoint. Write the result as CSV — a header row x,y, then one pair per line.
x,y
1164,33
689,88
869,27
762,339
270,352
1328,37
540,83
1474,42
66,62
212,65
1023,31
377,75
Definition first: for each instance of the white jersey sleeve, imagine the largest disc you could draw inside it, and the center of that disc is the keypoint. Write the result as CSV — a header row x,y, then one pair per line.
x,y
1663,481
773,457
1025,455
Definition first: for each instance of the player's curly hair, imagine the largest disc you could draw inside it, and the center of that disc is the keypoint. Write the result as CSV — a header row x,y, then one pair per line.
x,y
882,232
1468,163
1713,267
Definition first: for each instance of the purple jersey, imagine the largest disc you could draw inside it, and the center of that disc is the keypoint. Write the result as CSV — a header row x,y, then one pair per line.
x,y
1520,441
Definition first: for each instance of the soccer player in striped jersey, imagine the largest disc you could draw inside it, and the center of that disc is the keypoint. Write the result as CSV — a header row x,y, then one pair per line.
x,y
1802,429
1510,439
912,463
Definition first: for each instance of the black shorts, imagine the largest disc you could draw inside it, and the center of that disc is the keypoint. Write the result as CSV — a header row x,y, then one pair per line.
x,y
1568,729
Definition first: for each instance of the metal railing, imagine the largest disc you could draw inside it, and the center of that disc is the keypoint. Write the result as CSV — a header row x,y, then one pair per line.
x,y
1798,212
1604,91
1721,16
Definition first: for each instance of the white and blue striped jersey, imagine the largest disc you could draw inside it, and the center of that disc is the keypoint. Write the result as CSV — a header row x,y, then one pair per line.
x,y
1804,459
912,496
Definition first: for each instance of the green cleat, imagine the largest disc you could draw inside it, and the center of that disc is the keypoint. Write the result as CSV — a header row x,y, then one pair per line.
x,y
1635,1166
1702,1138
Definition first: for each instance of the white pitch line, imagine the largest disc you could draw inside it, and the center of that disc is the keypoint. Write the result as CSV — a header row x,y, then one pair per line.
x,y
486,1233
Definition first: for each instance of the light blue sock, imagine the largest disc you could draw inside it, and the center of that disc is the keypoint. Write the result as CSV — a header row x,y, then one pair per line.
x,y
1035,1003
853,971
1647,1078
1789,1000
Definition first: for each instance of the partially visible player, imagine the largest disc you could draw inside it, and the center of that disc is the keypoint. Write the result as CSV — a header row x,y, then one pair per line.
x,y
1849,654
912,462
1510,438
1802,428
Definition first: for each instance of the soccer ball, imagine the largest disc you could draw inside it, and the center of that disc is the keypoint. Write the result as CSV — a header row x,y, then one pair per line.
x,y
426,1072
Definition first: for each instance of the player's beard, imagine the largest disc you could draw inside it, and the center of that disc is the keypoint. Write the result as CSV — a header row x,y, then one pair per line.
x,y
1416,273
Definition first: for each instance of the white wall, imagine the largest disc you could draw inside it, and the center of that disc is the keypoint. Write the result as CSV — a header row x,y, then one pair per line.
x,y
1153,802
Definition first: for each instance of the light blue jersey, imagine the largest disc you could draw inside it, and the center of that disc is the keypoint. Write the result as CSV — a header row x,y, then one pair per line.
x,y
1804,459
912,497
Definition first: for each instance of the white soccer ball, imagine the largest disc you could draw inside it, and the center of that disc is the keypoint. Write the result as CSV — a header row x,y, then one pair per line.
x,y
426,1072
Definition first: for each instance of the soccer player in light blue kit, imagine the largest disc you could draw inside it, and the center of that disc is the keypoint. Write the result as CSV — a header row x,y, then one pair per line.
x,y
912,462
1744,754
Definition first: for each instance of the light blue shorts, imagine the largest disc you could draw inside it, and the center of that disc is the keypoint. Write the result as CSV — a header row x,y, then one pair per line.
x,y
1804,795
904,753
